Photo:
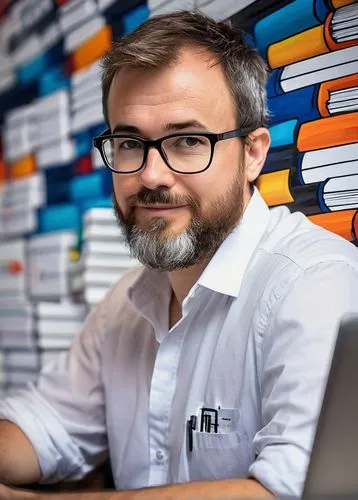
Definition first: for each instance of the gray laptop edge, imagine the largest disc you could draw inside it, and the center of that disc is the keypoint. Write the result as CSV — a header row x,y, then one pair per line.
x,y
333,468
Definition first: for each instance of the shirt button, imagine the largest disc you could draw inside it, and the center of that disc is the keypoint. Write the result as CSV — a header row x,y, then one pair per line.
x,y
159,455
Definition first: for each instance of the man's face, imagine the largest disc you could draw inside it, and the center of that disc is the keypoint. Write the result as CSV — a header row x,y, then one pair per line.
x,y
171,220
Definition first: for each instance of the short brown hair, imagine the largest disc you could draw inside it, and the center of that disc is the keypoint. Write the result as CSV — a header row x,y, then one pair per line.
x,y
157,42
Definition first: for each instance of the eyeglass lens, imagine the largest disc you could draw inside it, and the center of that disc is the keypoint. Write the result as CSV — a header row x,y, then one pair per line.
x,y
189,153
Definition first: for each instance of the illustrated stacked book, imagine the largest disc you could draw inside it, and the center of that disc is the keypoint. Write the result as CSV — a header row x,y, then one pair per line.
x,y
105,257
311,48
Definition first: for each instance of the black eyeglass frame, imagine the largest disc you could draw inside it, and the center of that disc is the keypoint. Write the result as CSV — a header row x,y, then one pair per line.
x,y
157,144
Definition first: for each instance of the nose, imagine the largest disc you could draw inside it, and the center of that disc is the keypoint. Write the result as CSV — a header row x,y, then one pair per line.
x,y
155,172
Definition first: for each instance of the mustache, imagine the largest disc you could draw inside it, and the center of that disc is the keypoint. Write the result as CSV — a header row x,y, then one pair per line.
x,y
161,196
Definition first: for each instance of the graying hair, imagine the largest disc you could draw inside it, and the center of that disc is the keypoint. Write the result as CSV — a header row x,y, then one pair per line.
x,y
157,42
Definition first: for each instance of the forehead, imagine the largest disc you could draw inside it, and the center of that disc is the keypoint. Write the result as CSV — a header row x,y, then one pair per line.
x,y
194,85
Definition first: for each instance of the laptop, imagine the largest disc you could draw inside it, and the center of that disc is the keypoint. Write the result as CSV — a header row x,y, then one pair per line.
x,y
333,468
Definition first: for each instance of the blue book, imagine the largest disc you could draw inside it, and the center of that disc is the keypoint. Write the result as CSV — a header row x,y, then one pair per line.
x,y
283,134
94,185
135,18
59,217
101,202
299,104
83,143
32,70
53,79
295,17
280,159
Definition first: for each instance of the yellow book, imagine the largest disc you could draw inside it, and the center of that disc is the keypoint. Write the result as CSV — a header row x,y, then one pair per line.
x,y
274,187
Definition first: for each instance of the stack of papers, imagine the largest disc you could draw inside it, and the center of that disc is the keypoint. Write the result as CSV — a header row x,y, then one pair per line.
x,y
50,265
19,132
105,257
52,142
19,201
79,20
56,324
17,324
20,367
86,98
12,270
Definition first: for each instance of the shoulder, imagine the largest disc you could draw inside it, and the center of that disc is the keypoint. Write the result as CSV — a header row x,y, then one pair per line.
x,y
295,239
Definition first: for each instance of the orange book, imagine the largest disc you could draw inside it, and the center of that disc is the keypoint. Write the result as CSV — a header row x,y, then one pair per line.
x,y
22,168
274,187
93,49
343,222
326,87
326,132
309,43
336,4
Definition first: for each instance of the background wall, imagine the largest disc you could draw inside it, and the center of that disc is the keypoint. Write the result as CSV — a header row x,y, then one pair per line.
x,y
60,249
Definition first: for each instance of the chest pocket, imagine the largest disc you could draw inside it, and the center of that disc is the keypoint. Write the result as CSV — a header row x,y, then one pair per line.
x,y
220,456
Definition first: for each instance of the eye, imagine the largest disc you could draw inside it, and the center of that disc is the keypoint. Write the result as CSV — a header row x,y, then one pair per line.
x,y
188,141
130,144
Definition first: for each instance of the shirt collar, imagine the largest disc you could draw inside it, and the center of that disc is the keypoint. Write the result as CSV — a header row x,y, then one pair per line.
x,y
225,271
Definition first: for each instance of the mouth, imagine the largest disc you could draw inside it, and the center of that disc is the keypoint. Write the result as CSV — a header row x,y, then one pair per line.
x,y
160,209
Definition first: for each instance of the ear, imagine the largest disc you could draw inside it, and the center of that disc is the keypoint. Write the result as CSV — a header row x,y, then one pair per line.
x,y
256,150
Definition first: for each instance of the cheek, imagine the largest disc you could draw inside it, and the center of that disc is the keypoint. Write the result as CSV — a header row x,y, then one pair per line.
x,y
123,187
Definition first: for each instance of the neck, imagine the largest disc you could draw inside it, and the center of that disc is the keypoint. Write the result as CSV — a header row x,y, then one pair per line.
x,y
183,280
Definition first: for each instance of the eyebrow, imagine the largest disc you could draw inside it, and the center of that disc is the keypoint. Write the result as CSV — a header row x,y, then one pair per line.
x,y
174,126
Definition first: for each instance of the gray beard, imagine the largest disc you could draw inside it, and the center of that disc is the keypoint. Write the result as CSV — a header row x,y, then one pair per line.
x,y
199,241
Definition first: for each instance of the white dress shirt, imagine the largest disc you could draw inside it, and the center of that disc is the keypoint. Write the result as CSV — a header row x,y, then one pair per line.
x,y
255,338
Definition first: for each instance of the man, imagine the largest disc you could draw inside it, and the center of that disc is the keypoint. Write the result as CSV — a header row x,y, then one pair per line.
x,y
201,373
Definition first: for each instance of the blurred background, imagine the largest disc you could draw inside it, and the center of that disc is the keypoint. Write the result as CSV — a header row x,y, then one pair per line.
x,y
60,248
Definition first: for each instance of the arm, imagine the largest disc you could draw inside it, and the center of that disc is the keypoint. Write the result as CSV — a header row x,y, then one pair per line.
x,y
18,460
228,489
62,416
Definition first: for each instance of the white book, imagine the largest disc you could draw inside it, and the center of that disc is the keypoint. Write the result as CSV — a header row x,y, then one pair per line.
x,y
115,264
21,377
344,24
18,221
85,118
16,340
75,12
320,68
96,158
27,192
59,152
335,161
88,99
91,84
28,50
342,101
170,6
23,359
85,76
16,316
51,35
219,10
103,233
105,248
48,260
66,328
100,215
12,269
341,193
61,310
55,342
81,34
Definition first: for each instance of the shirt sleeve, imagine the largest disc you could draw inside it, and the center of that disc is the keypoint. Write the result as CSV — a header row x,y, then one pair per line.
x,y
63,415
296,353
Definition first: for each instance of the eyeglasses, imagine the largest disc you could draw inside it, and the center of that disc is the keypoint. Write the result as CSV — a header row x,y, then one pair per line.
x,y
183,153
